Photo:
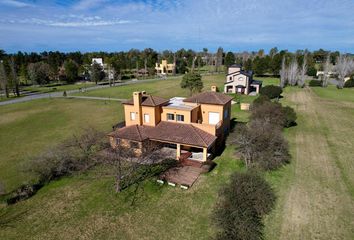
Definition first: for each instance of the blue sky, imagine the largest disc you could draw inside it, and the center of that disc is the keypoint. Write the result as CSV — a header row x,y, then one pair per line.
x,y
107,25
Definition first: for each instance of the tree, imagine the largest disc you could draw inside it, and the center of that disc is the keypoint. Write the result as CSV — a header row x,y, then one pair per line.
x,y
241,205
269,112
96,73
283,74
261,145
303,71
219,58
344,67
3,79
39,72
271,91
290,116
193,82
2,188
326,70
23,75
292,72
229,59
71,71
14,78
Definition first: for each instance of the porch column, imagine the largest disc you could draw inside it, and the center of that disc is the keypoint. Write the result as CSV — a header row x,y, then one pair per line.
x,y
178,151
205,154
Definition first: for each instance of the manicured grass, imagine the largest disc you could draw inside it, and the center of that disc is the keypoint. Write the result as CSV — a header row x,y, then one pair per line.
x,y
316,191
29,128
331,92
46,89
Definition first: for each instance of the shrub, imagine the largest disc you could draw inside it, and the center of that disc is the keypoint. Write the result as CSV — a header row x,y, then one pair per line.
x,y
269,112
241,206
2,188
260,100
315,83
290,116
349,83
261,145
271,91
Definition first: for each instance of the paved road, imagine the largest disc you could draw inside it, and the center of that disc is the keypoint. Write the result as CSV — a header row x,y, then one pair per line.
x,y
60,94
98,98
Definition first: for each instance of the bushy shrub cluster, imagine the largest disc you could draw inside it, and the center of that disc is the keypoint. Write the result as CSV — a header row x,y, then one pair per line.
x,y
315,83
242,204
271,91
349,83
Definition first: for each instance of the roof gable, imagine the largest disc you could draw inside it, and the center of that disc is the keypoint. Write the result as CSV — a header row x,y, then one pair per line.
x,y
149,101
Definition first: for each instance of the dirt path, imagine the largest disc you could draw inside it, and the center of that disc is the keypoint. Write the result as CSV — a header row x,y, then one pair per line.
x,y
317,203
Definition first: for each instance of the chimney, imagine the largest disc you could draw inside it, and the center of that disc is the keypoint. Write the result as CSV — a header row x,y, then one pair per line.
x,y
143,92
214,88
137,98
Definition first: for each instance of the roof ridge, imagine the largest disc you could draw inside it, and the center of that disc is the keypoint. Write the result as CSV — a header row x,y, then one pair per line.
x,y
196,130
152,100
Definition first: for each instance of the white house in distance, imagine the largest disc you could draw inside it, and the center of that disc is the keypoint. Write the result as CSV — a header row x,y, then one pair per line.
x,y
107,70
240,81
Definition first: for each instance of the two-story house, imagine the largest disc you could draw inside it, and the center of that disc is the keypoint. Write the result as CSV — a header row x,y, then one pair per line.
x,y
165,68
240,81
197,125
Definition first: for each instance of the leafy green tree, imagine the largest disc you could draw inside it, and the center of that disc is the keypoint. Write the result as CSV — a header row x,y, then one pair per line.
x,y
71,71
271,91
242,204
4,79
229,59
193,82
39,72
23,75
96,73
260,65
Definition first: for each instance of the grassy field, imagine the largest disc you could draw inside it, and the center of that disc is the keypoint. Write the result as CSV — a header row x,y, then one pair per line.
x,y
85,206
316,191
28,128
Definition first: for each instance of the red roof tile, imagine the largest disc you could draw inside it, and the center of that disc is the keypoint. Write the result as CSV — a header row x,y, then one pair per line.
x,y
149,101
167,132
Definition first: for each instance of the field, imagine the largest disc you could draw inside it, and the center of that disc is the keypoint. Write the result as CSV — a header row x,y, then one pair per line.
x,y
316,191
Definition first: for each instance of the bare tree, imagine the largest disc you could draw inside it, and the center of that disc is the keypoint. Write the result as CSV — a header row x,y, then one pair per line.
x,y
3,79
283,74
293,72
303,71
326,70
14,77
344,67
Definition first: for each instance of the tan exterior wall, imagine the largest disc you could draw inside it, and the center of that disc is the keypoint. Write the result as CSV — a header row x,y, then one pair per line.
x,y
206,127
153,113
233,69
187,114
127,110
206,108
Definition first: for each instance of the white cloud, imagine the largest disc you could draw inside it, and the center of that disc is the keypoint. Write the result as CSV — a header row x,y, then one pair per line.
x,y
15,3
88,4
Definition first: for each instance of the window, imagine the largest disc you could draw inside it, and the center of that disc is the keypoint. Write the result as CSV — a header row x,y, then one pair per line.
x,y
180,118
230,78
214,118
132,116
146,118
134,144
170,117
240,78
226,113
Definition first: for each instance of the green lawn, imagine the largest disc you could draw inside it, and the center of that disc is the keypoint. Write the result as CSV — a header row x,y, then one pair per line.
x,y
46,89
316,191
331,92
85,206
28,128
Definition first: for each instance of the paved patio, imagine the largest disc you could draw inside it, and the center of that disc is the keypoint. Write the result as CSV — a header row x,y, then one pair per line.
x,y
185,175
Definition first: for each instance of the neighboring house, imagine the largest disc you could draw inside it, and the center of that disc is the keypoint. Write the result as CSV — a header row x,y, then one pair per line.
x,y
105,67
164,68
239,81
196,126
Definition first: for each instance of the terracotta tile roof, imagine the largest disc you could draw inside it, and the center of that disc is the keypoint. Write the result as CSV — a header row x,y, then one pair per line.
x,y
133,132
209,98
181,133
149,101
167,132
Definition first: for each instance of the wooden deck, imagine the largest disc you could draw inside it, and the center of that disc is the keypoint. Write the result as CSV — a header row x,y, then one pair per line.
x,y
184,175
